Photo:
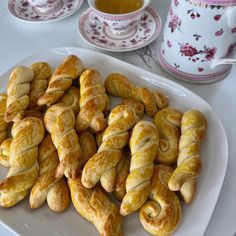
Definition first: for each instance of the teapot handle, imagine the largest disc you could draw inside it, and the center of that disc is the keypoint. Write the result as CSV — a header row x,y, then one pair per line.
x,y
231,16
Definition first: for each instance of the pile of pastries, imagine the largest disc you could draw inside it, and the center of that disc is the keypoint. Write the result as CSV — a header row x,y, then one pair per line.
x,y
61,140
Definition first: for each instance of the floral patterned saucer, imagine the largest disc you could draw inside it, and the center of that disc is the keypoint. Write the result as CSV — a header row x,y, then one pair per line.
x,y
100,36
22,9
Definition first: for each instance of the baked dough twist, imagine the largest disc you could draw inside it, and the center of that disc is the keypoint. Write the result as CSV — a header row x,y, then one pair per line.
x,y
162,214
93,102
3,123
136,105
27,135
88,146
95,206
193,130
102,165
61,80
39,84
143,146
71,99
18,93
59,122
122,170
5,152
168,122
118,85
46,185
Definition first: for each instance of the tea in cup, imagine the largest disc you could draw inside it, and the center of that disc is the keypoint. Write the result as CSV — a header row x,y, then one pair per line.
x,y
46,6
119,16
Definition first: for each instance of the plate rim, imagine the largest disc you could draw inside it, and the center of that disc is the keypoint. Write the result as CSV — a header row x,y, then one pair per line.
x,y
163,79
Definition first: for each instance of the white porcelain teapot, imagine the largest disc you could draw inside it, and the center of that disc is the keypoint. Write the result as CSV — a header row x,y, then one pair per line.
x,y
199,39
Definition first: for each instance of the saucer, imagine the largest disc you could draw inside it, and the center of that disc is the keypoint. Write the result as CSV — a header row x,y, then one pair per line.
x,y
100,36
23,10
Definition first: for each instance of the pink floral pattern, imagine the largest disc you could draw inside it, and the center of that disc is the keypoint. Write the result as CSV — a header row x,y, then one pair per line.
x,y
193,14
231,49
219,32
175,22
207,54
217,17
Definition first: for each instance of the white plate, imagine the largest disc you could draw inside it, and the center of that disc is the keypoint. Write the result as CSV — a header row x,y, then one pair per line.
x,y
196,216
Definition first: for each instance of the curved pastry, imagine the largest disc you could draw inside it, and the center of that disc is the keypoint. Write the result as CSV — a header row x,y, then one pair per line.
x,y
61,80
136,105
18,93
95,206
46,185
193,130
3,123
27,135
71,99
5,152
88,146
143,146
162,214
118,85
93,102
168,122
122,170
39,84
102,165
59,122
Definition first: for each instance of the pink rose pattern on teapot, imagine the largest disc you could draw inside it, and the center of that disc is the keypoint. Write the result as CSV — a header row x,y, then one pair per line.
x,y
193,38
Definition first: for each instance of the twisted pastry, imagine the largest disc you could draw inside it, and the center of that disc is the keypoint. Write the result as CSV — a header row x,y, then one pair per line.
x,y
168,122
93,205
59,122
136,105
93,102
119,85
71,99
102,165
61,80
122,170
46,185
88,146
5,152
18,93
162,214
27,135
143,146
39,84
193,130
3,123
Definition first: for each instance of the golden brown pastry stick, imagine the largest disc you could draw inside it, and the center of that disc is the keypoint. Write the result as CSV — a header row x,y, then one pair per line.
x,y
61,80
18,93
93,102
102,165
88,146
3,124
122,170
136,105
27,135
46,185
118,85
71,99
60,122
143,146
168,122
5,152
39,84
161,215
193,130
95,206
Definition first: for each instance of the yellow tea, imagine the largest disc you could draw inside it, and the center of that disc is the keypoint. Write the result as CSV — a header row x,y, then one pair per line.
x,y
118,6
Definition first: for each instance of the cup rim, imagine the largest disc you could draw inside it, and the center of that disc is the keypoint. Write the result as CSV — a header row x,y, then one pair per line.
x,y
145,4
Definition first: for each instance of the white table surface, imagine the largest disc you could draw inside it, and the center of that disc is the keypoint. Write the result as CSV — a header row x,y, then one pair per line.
x,y
19,39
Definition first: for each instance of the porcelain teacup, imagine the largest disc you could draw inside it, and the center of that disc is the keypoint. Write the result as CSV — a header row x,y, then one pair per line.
x,y
46,6
118,23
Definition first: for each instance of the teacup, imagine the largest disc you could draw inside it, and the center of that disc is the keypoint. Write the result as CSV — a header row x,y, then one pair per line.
x,y
118,23
46,6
